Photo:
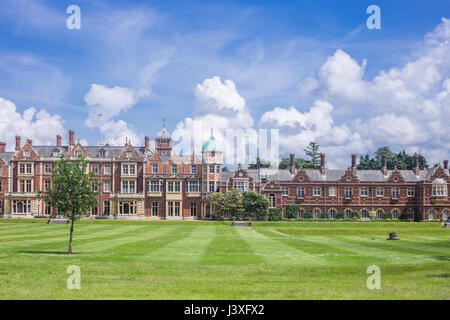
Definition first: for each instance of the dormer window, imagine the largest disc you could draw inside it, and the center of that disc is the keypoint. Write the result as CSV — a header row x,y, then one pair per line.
x,y
77,153
102,153
129,154
174,169
26,153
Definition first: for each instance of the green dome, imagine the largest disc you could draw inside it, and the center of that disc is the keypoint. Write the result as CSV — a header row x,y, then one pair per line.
x,y
211,145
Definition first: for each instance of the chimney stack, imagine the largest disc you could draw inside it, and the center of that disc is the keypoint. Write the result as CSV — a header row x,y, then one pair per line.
x,y
71,137
384,164
353,161
292,156
445,164
416,164
30,142
18,142
322,164
58,141
147,143
2,146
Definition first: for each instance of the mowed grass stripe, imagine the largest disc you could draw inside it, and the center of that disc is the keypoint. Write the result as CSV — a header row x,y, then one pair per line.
x,y
273,251
145,246
60,242
185,250
124,238
375,251
49,231
229,248
317,250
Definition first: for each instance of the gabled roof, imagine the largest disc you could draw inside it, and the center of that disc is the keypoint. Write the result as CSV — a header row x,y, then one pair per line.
x,y
6,156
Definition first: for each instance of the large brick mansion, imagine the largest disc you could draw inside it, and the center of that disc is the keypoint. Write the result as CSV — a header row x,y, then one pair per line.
x,y
158,184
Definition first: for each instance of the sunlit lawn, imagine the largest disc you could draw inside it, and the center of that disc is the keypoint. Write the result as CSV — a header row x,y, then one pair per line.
x,y
208,260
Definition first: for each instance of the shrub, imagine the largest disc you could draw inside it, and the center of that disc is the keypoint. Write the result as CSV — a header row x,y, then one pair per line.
x,y
356,215
275,214
387,215
309,215
340,215
372,214
403,216
292,211
324,215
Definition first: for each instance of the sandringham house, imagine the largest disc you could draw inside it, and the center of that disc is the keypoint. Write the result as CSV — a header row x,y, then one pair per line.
x,y
137,182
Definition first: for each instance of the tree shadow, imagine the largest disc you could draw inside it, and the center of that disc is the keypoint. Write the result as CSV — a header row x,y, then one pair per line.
x,y
47,252
443,258
442,276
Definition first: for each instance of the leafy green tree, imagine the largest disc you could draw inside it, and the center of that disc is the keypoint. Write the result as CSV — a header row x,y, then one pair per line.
x,y
259,163
72,191
275,214
401,160
219,206
233,199
255,203
372,214
292,211
285,163
312,151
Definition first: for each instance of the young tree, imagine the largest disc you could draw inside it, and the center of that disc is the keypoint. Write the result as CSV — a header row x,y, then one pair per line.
x,y
72,192
312,151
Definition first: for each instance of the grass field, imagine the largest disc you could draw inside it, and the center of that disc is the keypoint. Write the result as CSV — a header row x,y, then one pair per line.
x,y
213,260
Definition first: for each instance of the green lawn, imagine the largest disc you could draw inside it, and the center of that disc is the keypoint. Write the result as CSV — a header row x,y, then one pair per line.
x,y
213,260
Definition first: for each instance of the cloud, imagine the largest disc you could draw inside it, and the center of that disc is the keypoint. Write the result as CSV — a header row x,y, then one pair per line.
x,y
40,126
220,107
405,107
104,104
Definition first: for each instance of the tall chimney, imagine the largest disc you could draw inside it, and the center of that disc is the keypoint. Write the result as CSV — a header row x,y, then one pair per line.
x,y
353,161
292,156
384,164
58,141
30,142
147,143
71,137
2,146
322,164
416,164
445,164
18,142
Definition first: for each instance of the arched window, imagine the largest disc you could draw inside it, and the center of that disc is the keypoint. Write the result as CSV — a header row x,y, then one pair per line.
x,y
301,213
348,214
272,200
316,213
445,214
380,214
431,214
395,214
332,214
411,214
364,214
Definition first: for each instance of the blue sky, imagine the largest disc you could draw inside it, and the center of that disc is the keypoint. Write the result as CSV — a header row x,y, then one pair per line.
x,y
160,52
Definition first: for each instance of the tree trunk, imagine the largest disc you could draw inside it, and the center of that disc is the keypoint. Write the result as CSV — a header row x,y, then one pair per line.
x,y
70,239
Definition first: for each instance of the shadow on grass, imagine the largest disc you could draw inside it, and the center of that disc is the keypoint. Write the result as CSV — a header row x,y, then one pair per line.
x,y
443,258
443,276
48,252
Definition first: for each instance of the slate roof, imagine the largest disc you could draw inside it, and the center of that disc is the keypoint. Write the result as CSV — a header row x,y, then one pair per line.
x,y
6,156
